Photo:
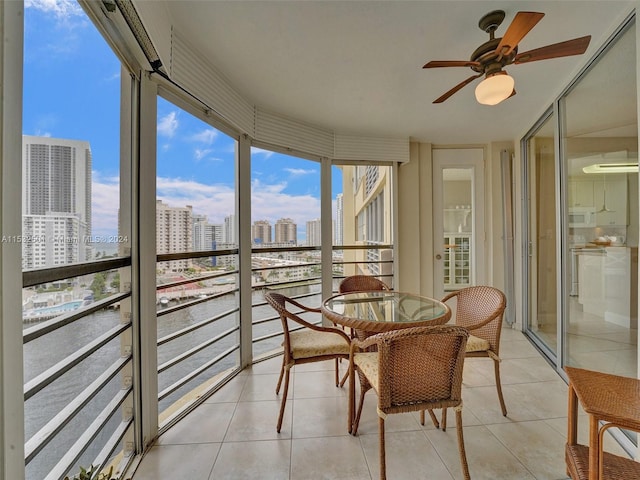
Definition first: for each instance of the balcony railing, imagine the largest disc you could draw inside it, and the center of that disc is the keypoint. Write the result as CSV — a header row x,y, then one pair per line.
x,y
78,368
79,364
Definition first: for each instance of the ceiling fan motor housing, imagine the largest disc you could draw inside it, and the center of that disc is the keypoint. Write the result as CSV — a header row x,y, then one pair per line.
x,y
488,59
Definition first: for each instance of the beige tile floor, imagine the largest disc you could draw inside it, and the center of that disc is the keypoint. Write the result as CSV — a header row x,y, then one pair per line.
x,y
233,435
595,344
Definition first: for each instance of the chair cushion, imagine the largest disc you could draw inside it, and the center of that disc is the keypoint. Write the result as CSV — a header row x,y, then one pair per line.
x,y
367,362
308,343
477,344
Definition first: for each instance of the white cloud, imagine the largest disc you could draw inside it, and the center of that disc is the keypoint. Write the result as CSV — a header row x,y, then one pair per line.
x,y
297,172
113,77
168,124
214,201
105,201
261,151
60,8
206,136
200,153
269,201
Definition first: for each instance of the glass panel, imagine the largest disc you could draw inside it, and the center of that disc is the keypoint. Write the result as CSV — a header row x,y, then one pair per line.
x,y
457,193
458,196
285,213
543,258
601,148
195,212
367,221
71,201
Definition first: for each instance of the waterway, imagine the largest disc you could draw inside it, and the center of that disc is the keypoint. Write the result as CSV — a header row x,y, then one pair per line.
x,y
43,353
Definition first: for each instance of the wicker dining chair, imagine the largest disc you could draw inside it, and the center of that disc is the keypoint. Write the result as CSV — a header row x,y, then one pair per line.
x,y
361,283
312,343
414,369
480,310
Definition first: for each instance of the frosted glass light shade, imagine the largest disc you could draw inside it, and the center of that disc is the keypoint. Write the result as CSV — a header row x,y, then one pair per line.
x,y
494,89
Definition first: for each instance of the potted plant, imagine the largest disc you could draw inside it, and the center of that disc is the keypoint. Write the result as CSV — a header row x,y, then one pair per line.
x,y
92,474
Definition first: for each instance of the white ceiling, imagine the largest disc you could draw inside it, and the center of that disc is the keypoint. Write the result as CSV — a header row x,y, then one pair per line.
x,y
356,66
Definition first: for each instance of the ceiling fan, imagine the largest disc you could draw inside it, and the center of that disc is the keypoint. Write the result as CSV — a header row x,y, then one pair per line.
x,y
490,58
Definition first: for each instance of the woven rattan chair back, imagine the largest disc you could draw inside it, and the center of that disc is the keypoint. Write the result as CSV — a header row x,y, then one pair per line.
x,y
361,283
421,365
418,369
279,304
304,342
480,309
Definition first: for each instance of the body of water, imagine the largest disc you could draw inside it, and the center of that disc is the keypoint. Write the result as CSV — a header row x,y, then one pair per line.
x,y
43,353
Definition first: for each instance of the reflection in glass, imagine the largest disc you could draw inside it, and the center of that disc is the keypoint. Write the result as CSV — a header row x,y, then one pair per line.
x,y
602,210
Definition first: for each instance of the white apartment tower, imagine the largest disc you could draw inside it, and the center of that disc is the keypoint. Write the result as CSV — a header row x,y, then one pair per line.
x,y
314,232
56,201
205,235
286,231
229,230
174,234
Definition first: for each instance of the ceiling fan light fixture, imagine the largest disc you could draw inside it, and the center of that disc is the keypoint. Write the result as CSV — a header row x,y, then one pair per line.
x,y
495,88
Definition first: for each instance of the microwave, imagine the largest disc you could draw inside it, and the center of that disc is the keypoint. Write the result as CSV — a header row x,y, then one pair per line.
x,y
580,217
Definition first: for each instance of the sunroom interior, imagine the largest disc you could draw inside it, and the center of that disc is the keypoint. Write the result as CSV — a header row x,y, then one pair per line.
x,y
171,370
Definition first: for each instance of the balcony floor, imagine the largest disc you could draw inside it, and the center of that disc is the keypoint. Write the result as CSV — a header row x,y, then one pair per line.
x,y
233,434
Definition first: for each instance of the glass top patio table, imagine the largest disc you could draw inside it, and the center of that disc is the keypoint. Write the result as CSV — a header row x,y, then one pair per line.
x,y
381,311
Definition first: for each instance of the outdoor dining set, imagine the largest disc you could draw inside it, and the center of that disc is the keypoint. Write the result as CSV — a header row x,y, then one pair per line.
x,y
403,346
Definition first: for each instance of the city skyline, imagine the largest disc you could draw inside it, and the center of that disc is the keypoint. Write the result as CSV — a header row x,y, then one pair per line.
x,y
195,162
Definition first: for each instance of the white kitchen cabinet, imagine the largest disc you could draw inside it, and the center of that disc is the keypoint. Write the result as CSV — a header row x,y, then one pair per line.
x,y
581,193
591,291
617,281
605,283
457,261
617,202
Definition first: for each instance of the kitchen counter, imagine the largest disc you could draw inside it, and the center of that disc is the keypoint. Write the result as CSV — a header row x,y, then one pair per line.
x,y
607,278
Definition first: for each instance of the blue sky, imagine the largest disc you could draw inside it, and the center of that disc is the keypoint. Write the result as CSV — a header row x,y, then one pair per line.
x,y
71,90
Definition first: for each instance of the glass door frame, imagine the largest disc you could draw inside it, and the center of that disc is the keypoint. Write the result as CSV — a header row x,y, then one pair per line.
x,y
527,247
468,160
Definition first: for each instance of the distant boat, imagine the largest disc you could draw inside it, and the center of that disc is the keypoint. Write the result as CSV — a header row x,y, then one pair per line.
x,y
164,301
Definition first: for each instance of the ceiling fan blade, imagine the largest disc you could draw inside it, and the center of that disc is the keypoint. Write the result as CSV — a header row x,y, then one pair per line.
x,y
451,63
522,23
577,46
456,88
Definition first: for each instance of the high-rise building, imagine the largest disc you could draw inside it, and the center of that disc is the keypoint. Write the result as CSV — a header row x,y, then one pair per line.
x,y
205,235
199,238
174,234
338,226
261,232
229,230
314,232
56,201
286,231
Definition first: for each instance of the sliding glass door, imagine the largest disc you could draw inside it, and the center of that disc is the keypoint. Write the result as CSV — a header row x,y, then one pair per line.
x,y
582,218
600,148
